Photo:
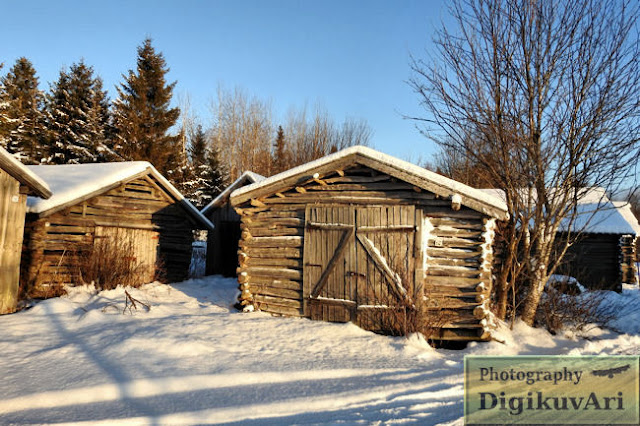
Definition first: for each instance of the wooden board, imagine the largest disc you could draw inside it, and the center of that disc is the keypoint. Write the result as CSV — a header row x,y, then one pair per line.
x,y
12,216
357,257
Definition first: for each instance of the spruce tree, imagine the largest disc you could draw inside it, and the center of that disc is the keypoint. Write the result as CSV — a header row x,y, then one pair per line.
x,y
214,174
22,124
142,113
78,118
280,157
206,174
198,147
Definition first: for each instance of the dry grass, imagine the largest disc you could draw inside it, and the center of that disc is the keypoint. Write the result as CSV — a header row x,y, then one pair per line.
x,y
111,262
411,314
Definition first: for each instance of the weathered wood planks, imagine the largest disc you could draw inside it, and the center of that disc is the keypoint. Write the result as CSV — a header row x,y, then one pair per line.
x,y
138,210
354,246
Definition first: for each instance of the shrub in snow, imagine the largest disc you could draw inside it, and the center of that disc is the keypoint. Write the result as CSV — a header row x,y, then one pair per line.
x,y
111,262
405,311
565,304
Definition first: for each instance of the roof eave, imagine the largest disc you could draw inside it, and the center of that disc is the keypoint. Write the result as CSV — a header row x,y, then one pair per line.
x,y
226,193
357,158
149,170
23,175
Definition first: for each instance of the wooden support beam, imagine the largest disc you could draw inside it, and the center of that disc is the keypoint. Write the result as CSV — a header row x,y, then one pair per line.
x,y
342,246
300,189
394,281
257,203
316,179
456,202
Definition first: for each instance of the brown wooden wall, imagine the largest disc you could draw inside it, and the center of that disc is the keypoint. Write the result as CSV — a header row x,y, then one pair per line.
x,y
222,242
12,216
594,260
344,246
137,210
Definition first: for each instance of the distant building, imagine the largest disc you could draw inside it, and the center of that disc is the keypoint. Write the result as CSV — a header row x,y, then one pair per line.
x,y
602,257
119,202
222,242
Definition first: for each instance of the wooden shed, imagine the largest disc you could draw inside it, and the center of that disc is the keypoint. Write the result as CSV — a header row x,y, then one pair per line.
x,y
222,242
16,182
126,203
361,236
603,257
629,245
605,233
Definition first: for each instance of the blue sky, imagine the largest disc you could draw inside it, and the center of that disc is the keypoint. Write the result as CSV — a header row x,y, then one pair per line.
x,y
350,56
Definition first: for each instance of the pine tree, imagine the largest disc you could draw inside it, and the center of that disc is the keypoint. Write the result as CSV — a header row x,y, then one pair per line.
x,y
22,124
198,147
206,174
78,118
142,113
280,155
214,174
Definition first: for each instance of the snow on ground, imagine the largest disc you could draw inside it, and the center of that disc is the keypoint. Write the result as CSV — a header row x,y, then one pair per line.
x,y
192,359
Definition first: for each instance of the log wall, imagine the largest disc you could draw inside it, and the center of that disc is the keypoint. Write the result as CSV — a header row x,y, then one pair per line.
x,y
451,260
12,216
140,209
628,259
458,273
594,260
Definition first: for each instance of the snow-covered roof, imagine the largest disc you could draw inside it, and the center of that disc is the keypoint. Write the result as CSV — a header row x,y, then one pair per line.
x,y
22,174
403,170
601,218
245,178
624,209
73,183
596,214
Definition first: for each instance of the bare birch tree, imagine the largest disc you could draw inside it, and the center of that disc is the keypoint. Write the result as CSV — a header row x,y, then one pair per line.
x,y
318,135
242,132
544,95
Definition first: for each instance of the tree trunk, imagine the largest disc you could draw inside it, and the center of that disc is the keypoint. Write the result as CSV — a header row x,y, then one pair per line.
x,y
539,274
502,294
532,300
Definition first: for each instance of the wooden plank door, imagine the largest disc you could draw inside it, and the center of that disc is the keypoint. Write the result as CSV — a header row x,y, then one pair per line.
x,y
358,262
140,244
384,263
328,248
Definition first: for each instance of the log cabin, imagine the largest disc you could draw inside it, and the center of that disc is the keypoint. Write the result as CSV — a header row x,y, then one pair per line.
x,y
605,233
16,182
603,257
222,242
127,203
629,258
365,237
